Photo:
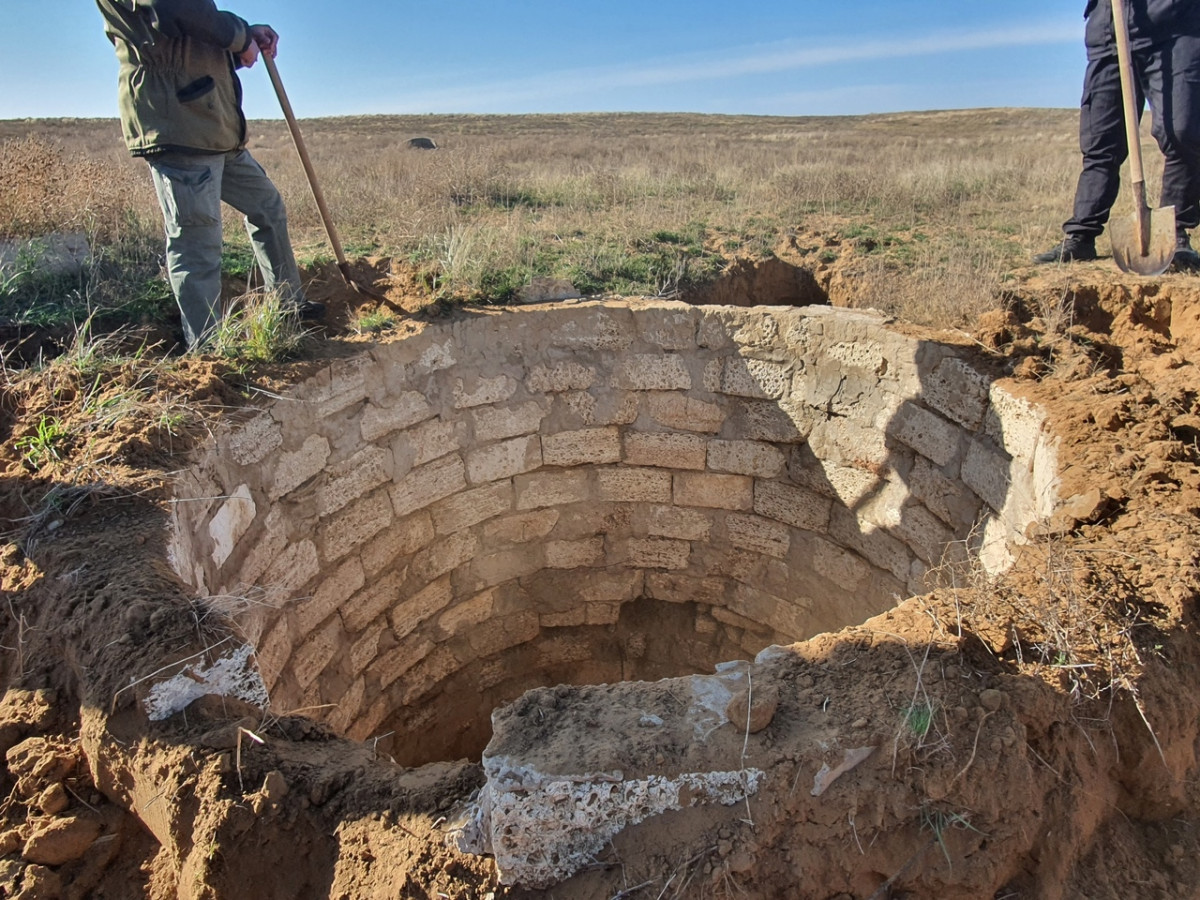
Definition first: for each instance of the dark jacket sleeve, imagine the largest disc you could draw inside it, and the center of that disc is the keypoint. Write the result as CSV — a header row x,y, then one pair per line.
x,y
199,20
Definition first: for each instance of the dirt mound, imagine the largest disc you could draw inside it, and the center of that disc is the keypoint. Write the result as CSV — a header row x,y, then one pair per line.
x,y
1033,736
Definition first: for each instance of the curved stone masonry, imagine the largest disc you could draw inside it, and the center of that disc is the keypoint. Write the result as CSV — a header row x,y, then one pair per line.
x,y
594,493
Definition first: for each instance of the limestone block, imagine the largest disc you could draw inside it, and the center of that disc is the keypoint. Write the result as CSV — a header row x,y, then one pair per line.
x,y
878,547
652,372
520,528
255,440
571,618
634,485
1013,423
273,650
867,355
755,378
494,424
346,386
472,507
675,522
370,603
574,554
404,411
559,377
428,484
292,569
505,565
561,650
656,553
792,505
230,523
670,451
758,534
672,587
271,541
562,590
364,727
367,647
946,498
844,441
349,707
504,633
727,616
610,408
929,434
851,486
583,520
714,491
758,330
758,607
447,554
594,329
745,458
408,613
312,656
988,474
924,533
437,357
426,442
335,590
467,614
401,659
850,394
294,468
480,391
840,566
668,326
781,422
404,537
605,613
551,489
349,480
575,448
957,390
685,413
355,525
504,459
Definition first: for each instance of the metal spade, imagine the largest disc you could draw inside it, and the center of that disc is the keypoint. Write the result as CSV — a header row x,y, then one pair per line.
x,y
1145,243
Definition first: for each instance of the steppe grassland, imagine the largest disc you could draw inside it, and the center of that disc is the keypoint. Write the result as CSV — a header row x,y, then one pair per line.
x,y
929,210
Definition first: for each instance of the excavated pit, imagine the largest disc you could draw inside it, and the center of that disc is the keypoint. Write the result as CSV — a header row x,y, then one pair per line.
x,y
594,493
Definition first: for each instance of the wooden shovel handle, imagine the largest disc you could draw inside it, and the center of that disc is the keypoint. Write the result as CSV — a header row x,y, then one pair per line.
x,y
1129,97
298,140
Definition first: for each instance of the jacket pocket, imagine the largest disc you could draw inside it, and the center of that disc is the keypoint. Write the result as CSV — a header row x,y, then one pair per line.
x,y
189,197
197,89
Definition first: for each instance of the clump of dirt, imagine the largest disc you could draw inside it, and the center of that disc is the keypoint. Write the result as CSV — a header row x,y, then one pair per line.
x,y
1035,736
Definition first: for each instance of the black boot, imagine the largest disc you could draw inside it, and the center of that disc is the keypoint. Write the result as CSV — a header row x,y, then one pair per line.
x,y
1185,259
1074,248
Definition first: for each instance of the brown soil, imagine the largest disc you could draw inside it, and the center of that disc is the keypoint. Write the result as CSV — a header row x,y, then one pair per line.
x,y
1060,758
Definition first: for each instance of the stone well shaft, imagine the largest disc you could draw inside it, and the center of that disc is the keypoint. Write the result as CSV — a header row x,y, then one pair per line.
x,y
477,508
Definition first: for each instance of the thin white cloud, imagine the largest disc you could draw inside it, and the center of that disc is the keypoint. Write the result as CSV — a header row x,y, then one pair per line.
x,y
746,61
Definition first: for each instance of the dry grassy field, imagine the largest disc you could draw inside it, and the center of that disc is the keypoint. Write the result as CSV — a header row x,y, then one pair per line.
x,y
939,206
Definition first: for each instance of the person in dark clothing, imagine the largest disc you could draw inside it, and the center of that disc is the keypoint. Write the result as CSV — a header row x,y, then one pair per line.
x,y
181,111
1164,37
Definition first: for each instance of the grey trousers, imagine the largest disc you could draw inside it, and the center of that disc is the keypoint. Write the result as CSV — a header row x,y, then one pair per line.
x,y
190,189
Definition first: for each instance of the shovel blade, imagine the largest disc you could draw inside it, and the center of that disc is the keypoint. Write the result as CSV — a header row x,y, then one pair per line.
x,y
1127,247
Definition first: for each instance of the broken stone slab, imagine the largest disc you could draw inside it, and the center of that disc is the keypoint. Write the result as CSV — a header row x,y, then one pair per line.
x,y
557,792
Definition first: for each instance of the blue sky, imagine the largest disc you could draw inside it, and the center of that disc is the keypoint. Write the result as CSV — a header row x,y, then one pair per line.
x,y
771,57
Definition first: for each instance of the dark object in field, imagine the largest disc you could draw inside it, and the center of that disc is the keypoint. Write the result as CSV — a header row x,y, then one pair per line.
x,y
421,143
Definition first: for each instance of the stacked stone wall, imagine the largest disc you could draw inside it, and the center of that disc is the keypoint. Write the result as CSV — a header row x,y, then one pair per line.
x,y
433,505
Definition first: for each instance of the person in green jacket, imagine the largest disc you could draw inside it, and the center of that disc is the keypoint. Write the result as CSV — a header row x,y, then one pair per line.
x,y
181,110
